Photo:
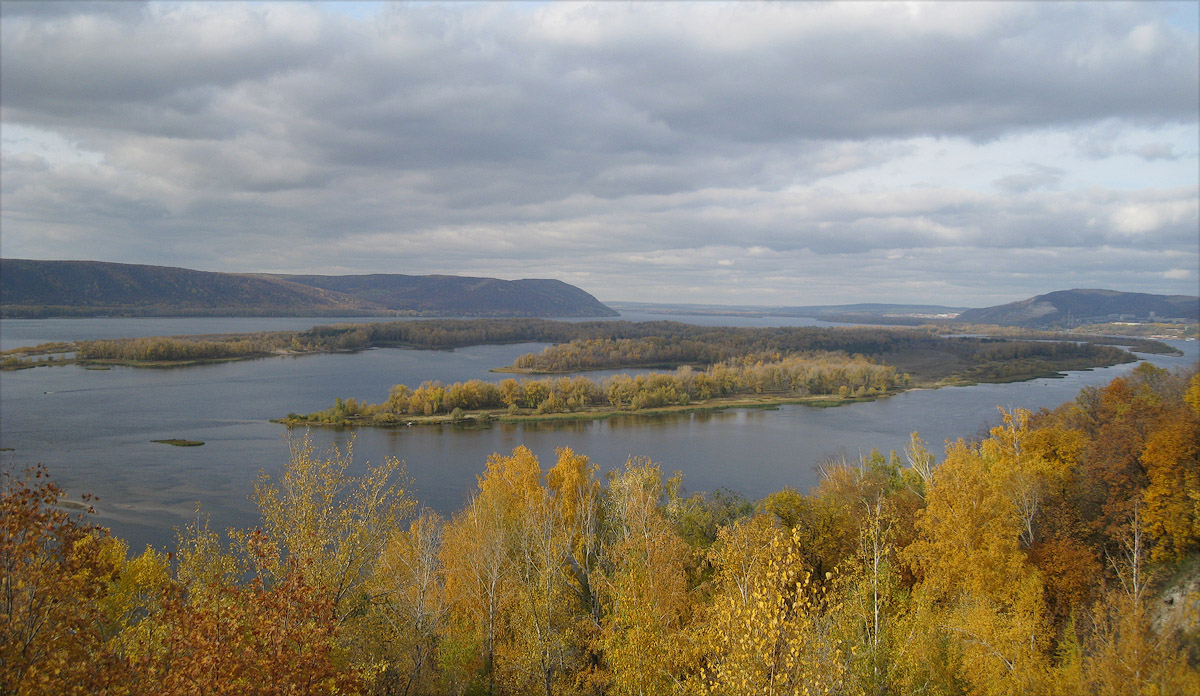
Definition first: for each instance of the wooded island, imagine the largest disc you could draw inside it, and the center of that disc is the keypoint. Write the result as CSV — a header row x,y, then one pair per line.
x,y
718,367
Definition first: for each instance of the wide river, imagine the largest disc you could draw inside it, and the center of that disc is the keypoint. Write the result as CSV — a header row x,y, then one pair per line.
x,y
93,428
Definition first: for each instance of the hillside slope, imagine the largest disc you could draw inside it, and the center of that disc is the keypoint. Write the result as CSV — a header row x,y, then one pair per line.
x,y
30,288
91,287
462,295
1086,306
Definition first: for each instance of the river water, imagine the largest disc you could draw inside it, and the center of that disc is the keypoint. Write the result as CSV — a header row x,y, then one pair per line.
x,y
93,428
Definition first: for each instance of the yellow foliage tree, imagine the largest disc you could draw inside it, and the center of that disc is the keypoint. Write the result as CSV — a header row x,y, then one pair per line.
x,y
134,596
644,639
331,527
768,629
977,590
872,597
1172,498
407,588
331,524
1129,655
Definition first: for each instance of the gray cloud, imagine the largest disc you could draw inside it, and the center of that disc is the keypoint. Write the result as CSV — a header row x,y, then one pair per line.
x,y
1156,151
1035,177
612,145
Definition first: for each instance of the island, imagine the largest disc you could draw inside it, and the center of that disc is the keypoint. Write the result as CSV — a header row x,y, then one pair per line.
x,y
685,367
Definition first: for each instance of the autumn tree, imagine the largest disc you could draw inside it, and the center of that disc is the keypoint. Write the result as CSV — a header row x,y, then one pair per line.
x,y
540,654
256,639
578,497
54,576
1172,496
977,591
330,527
479,589
871,596
644,635
768,628
133,600
407,588
332,524
480,561
1128,654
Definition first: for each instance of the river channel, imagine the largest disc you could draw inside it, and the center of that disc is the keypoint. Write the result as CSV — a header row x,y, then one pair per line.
x,y
93,428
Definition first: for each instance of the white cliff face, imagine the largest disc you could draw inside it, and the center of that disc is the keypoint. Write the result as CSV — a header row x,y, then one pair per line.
x,y
1036,309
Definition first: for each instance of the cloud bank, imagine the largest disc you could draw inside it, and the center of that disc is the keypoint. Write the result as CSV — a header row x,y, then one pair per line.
x,y
785,154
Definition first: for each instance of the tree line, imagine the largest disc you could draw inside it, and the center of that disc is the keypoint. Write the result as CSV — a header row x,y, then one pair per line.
x,y
583,345
458,333
714,346
1028,561
772,374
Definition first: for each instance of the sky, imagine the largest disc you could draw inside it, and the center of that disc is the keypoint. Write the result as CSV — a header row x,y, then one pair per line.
x,y
957,153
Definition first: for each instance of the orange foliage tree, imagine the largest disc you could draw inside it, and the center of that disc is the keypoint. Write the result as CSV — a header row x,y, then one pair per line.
x,y
52,580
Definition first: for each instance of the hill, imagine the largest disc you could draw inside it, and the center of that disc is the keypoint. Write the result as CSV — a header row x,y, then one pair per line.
x,y
461,295
30,288
1067,308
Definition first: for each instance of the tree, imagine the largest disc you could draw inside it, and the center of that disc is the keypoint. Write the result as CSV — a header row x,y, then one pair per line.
x,y
1172,497
253,640
644,634
54,575
576,491
133,600
543,612
977,591
578,497
480,565
330,528
331,524
477,578
1128,655
407,587
871,597
767,629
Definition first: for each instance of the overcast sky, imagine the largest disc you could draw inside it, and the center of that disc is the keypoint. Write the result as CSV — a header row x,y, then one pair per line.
x,y
966,153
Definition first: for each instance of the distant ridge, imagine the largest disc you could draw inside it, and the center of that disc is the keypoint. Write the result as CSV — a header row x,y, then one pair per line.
x,y
483,296
1066,308
30,288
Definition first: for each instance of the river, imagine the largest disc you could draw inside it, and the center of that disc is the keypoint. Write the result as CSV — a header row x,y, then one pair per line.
x,y
93,428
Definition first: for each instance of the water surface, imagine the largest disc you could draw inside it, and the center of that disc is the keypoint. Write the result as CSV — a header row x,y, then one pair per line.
x,y
93,428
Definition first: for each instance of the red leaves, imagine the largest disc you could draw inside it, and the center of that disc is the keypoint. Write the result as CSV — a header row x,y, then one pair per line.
x,y
249,640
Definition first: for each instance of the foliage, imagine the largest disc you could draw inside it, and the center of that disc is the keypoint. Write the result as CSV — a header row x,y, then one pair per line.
x,y
53,579
795,376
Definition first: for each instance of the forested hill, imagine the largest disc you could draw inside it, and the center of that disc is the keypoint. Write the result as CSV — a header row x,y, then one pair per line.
x,y
1066,308
31,288
459,295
